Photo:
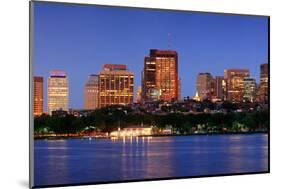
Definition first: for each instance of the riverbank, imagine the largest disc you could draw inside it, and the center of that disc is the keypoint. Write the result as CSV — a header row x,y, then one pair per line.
x,y
154,135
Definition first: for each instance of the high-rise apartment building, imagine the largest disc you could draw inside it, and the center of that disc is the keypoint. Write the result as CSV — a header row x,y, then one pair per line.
x,y
116,85
262,95
160,76
91,93
58,91
205,86
249,90
38,86
235,83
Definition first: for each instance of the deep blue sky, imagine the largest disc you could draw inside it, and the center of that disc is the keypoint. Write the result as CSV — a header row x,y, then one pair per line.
x,y
80,39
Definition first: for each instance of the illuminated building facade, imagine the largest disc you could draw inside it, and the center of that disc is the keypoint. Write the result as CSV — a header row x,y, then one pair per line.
x,y
116,85
58,97
91,93
132,131
249,90
262,95
196,97
139,95
205,86
150,92
235,83
160,76
219,87
38,95
224,89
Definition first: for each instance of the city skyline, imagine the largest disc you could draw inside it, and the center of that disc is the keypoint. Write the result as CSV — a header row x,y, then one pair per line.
x,y
240,41
114,85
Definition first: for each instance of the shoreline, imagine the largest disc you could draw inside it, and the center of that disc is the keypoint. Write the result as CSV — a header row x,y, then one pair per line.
x,y
155,135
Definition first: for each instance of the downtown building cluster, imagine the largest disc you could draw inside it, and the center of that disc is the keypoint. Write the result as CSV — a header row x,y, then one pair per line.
x,y
235,86
160,81
113,85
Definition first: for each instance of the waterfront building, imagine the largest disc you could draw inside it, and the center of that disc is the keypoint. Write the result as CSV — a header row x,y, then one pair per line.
x,y
160,76
262,95
91,92
58,91
38,86
131,131
249,90
116,85
205,86
235,83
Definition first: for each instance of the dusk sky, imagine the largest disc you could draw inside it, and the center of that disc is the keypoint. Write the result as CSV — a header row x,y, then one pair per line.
x,y
80,39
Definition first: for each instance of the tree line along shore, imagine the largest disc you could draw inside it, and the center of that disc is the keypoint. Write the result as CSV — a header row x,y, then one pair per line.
x,y
112,118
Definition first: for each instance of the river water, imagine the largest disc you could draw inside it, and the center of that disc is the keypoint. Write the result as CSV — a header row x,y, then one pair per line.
x,y
75,161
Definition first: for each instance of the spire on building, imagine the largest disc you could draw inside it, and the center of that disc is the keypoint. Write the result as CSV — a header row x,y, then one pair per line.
x,y
196,97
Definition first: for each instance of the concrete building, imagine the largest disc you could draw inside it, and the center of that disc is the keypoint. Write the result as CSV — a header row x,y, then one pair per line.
x,y
116,85
262,94
235,83
249,90
205,86
38,86
139,95
91,93
218,89
179,89
160,76
58,91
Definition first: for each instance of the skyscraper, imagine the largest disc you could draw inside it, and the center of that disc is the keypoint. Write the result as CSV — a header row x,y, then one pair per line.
x,y
139,97
249,89
262,95
179,89
57,91
91,92
235,83
38,95
219,85
160,76
205,86
224,89
116,85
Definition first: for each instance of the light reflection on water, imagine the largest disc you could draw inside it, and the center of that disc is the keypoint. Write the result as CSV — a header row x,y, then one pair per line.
x,y
79,161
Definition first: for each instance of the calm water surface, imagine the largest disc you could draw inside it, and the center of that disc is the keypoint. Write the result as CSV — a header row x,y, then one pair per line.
x,y
82,160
